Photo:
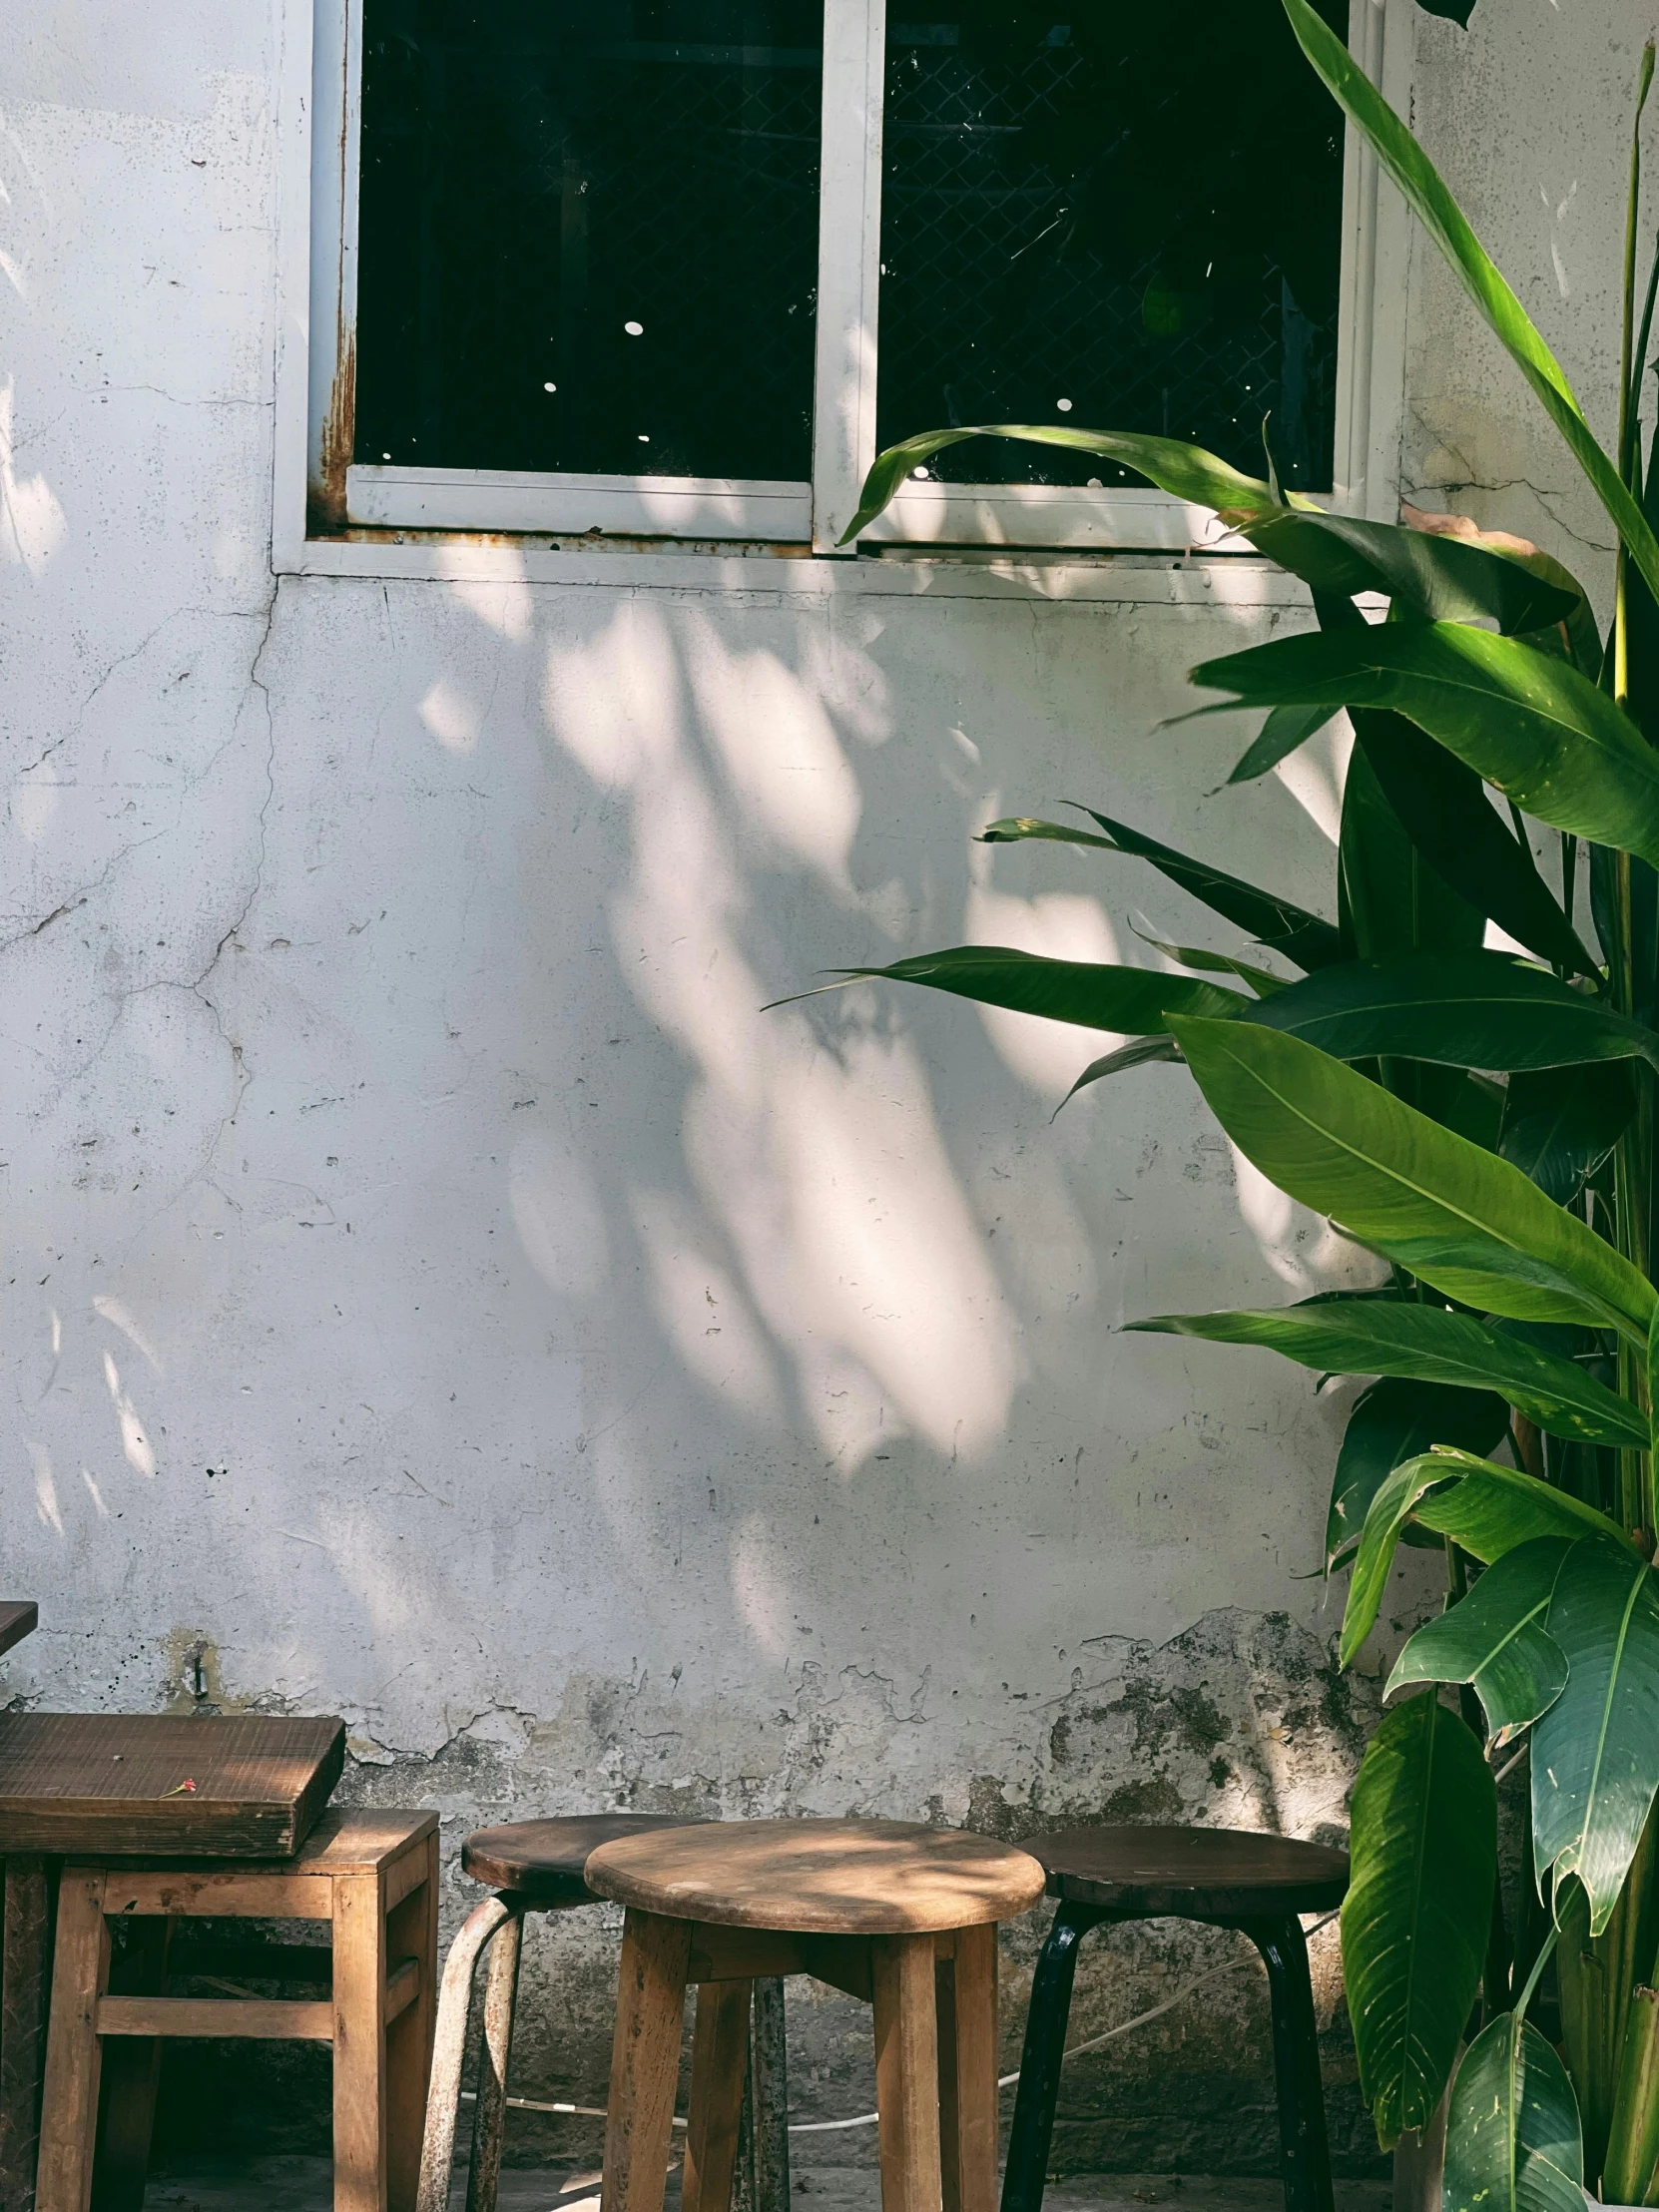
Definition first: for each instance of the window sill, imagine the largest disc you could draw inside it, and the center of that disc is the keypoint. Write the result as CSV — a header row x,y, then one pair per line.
x,y
792,572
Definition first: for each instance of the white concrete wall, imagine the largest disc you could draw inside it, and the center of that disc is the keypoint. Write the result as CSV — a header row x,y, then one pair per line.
x,y
434,1290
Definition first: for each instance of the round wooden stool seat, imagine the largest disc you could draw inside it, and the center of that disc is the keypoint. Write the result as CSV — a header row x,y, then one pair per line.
x,y
542,1860
1190,1872
836,1877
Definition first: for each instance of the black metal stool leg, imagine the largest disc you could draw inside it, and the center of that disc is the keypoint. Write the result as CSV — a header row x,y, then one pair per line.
x,y
1304,2149
1039,2064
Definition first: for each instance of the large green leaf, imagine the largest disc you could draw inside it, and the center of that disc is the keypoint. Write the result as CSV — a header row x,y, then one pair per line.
x,y
1366,1336
1464,1009
1512,2138
1559,1124
1455,1215
1423,1850
1438,579
1134,1001
1286,728
1397,1496
1595,1753
1303,937
1434,577
1184,471
1261,980
1389,899
1492,1509
1395,1419
1426,192
1486,1508
1138,1054
1496,1639
1547,736
1451,823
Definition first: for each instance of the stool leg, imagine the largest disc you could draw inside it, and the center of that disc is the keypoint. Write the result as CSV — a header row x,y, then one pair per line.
x,y
24,1968
69,2104
645,2062
131,2077
438,2151
906,2072
411,1932
359,1929
1039,2067
720,2071
966,1991
770,2099
489,2113
1296,2064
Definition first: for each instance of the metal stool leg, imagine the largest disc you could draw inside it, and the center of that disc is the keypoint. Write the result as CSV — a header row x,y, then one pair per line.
x,y
490,2113
770,2099
1039,2066
1304,2149
443,2103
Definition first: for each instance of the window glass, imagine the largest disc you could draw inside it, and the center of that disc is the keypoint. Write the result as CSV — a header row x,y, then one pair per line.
x,y
1113,217
588,235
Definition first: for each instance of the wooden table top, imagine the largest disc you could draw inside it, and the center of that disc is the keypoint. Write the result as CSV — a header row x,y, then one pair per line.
x,y
105,1785
543,1860
19,1617
846,1878
1151,1870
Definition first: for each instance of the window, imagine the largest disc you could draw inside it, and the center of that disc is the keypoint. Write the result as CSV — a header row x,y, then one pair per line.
x,y
677,267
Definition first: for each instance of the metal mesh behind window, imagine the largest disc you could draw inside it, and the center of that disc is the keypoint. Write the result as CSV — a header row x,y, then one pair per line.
x,y
588,235
1136,210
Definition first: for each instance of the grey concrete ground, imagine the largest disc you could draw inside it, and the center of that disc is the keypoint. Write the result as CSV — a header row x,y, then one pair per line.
x,y
302,2185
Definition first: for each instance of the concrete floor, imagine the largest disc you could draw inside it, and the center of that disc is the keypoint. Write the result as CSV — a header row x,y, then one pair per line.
x,y
302,2185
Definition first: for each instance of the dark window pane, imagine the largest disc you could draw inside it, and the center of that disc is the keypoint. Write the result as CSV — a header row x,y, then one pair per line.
x,y
1133,209
588,235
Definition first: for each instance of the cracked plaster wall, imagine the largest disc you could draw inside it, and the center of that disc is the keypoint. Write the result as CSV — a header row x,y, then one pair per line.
x,y
435,1293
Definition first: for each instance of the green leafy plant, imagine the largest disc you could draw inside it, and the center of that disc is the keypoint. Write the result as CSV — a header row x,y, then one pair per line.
x,y
1482,1122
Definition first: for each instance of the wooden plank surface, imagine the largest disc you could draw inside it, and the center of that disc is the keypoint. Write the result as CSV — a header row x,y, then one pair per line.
x,y
839,1877
256,1895
19,1617
108,1784
266,2019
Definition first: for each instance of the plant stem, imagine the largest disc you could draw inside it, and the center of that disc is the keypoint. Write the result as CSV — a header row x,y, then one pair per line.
x,y
1627,339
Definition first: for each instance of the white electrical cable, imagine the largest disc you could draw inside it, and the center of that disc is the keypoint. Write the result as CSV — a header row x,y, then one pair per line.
x,y
868,2119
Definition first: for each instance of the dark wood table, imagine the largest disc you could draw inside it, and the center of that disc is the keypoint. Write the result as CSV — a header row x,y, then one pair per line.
x,y
19,1617
109,1786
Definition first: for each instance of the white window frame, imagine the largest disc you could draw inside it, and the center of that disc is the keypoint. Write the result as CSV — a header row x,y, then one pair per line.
x,y
323,499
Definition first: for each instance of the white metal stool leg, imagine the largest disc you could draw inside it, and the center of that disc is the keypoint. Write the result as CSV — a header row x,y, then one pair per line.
x,y
443,2098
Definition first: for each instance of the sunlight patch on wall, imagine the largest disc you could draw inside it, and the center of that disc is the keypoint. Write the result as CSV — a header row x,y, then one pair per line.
x,y
560,1222
827,1175
134,1445
704,1313
1062,926
758,1590
786,772
31,523
452,719
1314,775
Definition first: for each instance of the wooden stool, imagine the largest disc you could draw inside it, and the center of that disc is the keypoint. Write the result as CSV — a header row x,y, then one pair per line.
x,y
97,1787
1228,1878
533,1866
901,1915
373,1877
